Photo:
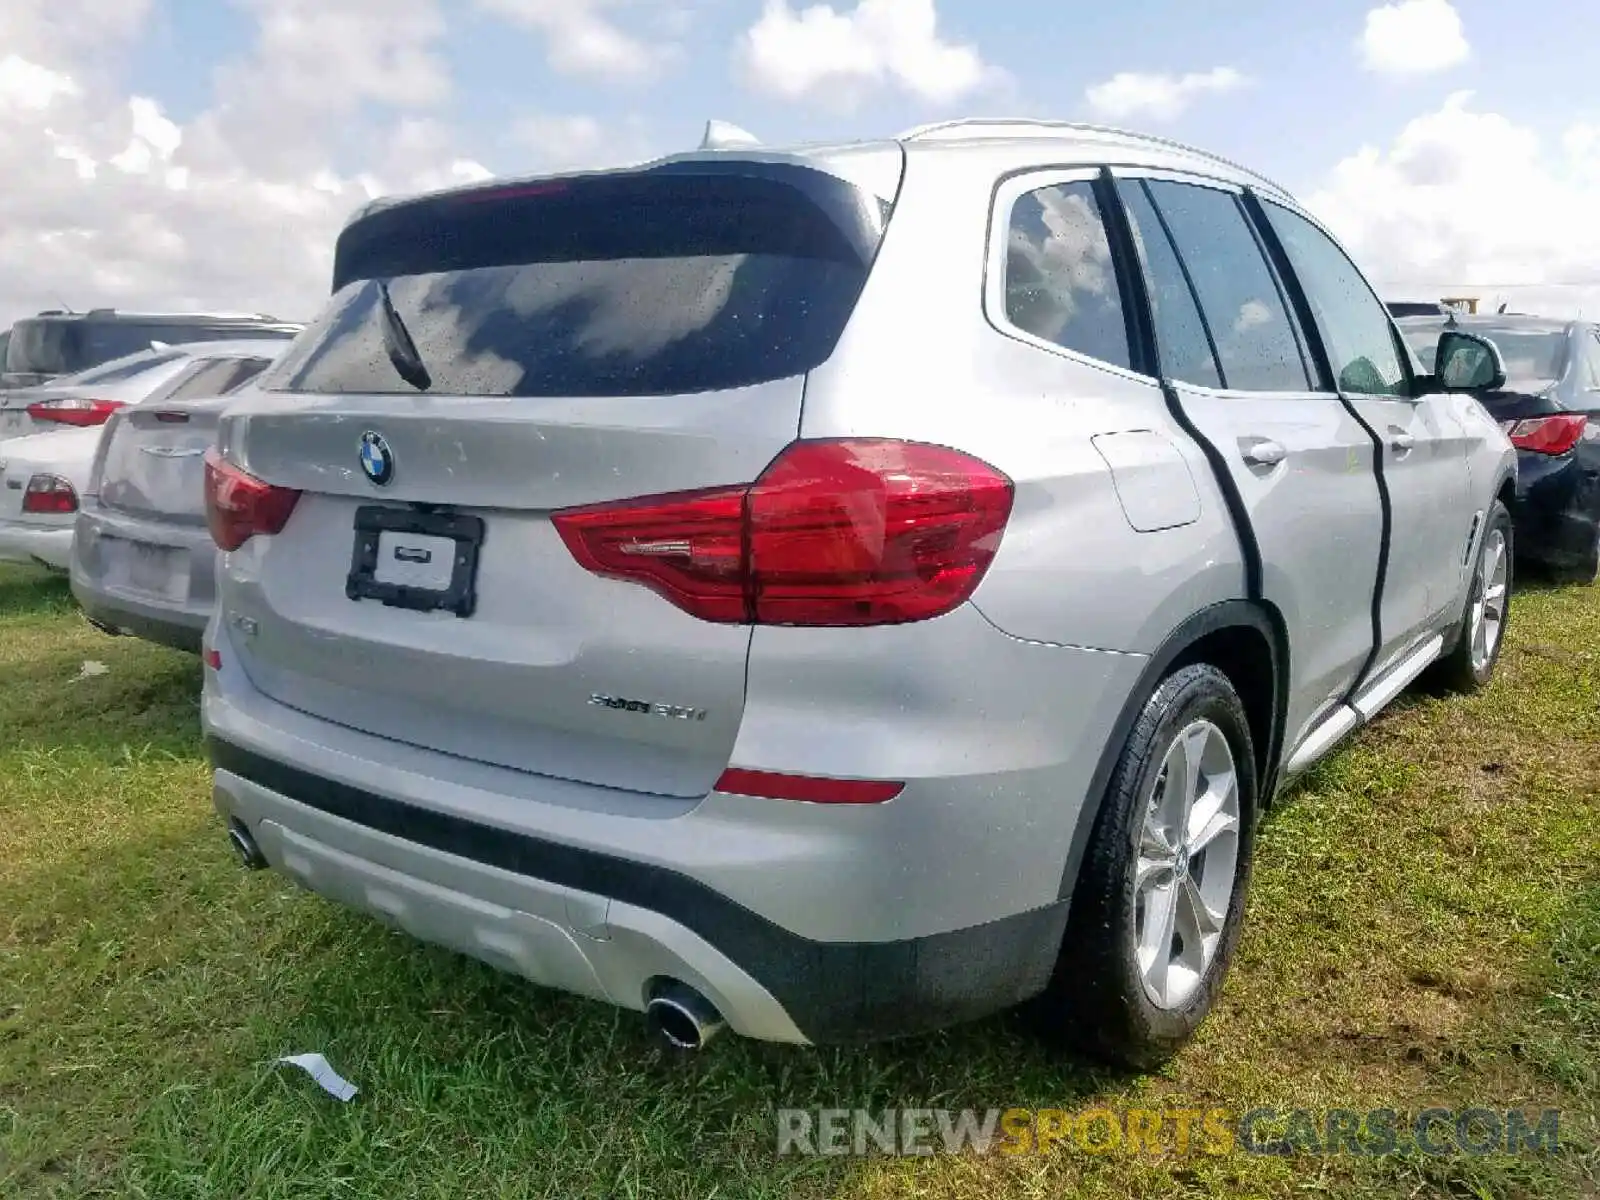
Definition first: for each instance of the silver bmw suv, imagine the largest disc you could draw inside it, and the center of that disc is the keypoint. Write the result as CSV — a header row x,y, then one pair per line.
x,y
840,591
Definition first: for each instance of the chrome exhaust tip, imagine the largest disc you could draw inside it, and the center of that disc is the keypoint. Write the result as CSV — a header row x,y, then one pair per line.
x,y
244,846
682,1018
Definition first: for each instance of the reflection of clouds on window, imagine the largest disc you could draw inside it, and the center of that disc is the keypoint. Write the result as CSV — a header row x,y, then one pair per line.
x,y
1252,314
1058,252
635,306
1059,280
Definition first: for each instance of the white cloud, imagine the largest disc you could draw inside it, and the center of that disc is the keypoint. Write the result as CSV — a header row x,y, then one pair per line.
x,y
572,142
1159,97
109,200
582,41
1433,214
27,86
1413,37
839,58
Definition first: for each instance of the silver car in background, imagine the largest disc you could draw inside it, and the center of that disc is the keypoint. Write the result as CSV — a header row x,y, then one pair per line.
x,y
89,398
838,591
45,476
142,558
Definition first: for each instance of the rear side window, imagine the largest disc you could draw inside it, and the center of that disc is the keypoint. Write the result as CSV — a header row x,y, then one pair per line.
x,y
217,377
655,282
1060,285
1257,348
1187,354
1355,326
40,346
1592,358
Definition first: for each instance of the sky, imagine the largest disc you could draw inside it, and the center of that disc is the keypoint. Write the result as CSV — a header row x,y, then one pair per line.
x,y
183,154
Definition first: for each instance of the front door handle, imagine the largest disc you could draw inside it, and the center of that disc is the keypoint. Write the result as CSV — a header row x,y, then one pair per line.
x,y
1262,452
1401,442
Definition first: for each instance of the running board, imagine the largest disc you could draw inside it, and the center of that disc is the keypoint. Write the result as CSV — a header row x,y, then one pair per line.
x,y
1347,718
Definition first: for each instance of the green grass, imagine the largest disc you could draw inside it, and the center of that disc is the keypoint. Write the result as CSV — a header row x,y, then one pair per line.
x,y
1424,928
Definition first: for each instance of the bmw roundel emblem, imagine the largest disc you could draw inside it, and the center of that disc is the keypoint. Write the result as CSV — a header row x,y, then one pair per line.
x,y
377,460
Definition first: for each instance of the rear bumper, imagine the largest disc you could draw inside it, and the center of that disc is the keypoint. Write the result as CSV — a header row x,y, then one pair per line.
x,y
50,545
613,929
177,619
1557,510
801,922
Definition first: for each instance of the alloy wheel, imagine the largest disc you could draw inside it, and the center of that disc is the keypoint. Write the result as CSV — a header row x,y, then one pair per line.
x,y
1489,605
1187,861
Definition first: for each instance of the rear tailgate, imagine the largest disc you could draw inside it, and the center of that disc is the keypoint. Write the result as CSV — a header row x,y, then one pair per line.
x,y
151,461
584,340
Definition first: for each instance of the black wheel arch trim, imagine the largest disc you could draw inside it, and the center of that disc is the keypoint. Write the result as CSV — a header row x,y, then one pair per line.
x,y
1228,614
835,992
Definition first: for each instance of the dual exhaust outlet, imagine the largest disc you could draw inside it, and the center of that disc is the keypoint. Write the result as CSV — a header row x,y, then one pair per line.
x,y
679,1016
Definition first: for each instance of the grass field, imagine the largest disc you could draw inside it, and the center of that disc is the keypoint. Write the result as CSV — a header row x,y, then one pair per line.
x,y
1424,928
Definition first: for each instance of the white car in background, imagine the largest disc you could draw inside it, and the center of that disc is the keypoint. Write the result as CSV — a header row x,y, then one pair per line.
x,y
45,476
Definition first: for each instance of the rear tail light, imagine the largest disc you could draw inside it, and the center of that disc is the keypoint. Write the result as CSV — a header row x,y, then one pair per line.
x,y
74,410
1548,435
51,495
840,533
239,506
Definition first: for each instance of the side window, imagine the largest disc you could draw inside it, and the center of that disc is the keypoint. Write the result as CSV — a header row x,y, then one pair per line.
x,y
1059,281
1187,354
1593,359
1355,326
1257,348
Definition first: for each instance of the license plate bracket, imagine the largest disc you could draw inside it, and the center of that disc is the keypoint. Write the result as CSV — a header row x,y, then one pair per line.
x,y
378,529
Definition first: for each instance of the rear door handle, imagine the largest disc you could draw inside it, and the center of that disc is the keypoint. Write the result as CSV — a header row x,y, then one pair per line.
x,y
1262,452
1401,442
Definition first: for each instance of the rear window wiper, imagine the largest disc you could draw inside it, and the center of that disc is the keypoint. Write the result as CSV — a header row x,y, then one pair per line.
x,y
397,343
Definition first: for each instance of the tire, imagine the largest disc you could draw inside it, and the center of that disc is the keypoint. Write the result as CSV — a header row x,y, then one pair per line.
x,y
1466,669
1101,1000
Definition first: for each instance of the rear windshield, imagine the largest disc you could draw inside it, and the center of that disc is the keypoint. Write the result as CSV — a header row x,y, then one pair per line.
x,y
63,346
654,282
1528,355
121,368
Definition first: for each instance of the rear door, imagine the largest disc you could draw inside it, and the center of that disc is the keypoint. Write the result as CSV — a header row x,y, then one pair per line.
x,y
1424,447
1302,465
567,343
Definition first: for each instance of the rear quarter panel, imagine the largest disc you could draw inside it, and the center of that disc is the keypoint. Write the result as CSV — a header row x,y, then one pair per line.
x,y
922,360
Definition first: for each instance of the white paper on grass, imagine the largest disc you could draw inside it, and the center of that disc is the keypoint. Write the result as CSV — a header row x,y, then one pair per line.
x,y
327,1078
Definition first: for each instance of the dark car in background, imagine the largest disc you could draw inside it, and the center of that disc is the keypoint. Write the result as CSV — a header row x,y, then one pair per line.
x,y
51,344
1550,409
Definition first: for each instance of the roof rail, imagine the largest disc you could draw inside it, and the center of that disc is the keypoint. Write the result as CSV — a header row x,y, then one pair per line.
x,y
180,316
975,126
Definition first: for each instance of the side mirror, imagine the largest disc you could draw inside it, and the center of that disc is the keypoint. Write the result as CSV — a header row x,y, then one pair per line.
x,y
1466,362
